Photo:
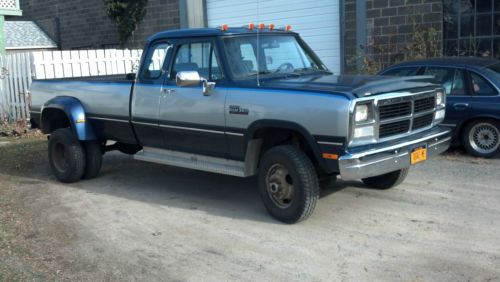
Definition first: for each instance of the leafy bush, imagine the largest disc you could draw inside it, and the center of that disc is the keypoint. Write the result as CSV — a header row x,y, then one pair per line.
x,y
127,14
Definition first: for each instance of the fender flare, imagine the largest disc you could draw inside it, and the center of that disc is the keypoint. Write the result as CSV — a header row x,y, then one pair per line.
x,y
254,126
75,112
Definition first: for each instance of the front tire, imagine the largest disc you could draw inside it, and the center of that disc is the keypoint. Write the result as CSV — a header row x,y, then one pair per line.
x,y
481,138
288,184
388,180
66,156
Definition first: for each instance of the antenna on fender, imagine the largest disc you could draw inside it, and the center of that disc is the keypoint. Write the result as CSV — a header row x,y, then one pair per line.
x,y
258,44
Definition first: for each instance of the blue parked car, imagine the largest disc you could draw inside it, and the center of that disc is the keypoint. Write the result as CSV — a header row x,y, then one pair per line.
x,y
472,88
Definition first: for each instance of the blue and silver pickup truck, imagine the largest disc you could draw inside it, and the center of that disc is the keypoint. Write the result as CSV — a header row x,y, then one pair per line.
x,y
244,102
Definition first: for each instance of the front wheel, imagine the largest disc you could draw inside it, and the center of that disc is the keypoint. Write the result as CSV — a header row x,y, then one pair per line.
x,y
388,180
66,156
481,138
288,184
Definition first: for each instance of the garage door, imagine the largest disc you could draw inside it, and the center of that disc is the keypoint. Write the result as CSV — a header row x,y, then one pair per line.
x,y
318,22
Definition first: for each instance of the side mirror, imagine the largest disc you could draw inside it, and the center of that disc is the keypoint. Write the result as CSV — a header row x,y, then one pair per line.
x,y
187,78
193,78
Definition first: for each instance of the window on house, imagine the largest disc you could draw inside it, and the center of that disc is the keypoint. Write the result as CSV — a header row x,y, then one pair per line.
x,y
471,27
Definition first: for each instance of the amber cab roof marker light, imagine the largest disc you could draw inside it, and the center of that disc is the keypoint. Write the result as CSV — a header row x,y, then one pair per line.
x,y
224,27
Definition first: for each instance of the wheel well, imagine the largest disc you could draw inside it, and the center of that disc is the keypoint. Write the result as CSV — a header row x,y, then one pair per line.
x,y
53,119
275,136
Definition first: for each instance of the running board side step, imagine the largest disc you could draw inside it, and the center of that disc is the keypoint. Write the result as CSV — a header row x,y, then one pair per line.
x,y
193,161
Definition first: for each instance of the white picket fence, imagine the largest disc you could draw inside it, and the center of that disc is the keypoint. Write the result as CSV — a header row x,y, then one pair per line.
x,y
18,70
16,77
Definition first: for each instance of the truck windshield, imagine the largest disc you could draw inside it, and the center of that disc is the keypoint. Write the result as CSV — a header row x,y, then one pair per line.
x,y
273,54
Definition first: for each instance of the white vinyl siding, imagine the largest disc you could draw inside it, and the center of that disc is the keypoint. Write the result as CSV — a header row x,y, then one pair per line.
x,y
318,22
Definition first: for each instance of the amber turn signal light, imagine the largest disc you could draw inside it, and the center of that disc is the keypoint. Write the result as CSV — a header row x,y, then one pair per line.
x,y
330,156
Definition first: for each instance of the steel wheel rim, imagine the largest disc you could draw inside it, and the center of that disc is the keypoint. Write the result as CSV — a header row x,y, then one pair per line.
x,y
59,157
484,138
280,186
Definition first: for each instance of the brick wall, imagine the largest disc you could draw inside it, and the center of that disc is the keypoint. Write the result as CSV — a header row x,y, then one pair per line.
x,y
78,24
350,54
393,24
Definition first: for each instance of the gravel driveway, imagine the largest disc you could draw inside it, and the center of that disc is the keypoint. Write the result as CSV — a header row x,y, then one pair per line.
x,y
140,221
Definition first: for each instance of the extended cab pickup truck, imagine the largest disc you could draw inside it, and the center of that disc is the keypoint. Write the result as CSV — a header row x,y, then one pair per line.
x,y
244,102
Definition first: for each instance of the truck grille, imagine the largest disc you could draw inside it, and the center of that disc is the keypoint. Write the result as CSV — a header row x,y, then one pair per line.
x,y
395,110
394,128
423,121
424,104
405,114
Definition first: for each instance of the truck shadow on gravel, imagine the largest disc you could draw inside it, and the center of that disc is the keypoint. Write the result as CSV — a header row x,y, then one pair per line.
x,y
123,177
219,195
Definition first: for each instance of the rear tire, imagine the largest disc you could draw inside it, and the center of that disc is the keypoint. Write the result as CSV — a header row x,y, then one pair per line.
x,y
481,138
93,157
66,156
288,184
388,180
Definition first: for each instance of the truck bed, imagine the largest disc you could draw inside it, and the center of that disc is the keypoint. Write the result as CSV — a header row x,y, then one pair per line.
x,y
106,100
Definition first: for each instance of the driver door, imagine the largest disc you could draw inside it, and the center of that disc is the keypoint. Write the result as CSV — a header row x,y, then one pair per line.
x,y
190,121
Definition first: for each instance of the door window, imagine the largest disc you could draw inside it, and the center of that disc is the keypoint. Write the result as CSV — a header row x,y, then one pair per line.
x,y
451,79
481,86
154,61
200,57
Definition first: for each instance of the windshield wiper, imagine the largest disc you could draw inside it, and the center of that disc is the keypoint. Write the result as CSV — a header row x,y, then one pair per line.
x,y
273,74
259,73
309,70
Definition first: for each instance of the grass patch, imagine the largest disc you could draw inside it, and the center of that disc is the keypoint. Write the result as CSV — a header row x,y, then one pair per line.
x,y
21,257
17,154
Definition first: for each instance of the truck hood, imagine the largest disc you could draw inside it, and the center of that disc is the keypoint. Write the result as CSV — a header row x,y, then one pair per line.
x,y
356,85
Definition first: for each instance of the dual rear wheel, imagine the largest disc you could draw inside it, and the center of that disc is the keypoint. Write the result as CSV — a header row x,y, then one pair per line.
x,y
72,160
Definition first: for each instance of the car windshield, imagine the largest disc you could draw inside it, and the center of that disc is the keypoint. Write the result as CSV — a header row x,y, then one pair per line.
x,y
272,55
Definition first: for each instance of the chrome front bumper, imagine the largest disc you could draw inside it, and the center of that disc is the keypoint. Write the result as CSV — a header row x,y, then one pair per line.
x,y
377,160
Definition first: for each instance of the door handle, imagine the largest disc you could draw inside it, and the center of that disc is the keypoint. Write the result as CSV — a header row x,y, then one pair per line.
x,y
166,91
461,106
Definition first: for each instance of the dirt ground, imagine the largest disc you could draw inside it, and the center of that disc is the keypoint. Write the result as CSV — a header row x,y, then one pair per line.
x,y
141,221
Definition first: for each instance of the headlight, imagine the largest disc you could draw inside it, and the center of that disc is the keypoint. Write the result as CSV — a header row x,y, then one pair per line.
x,y
361,113
440,99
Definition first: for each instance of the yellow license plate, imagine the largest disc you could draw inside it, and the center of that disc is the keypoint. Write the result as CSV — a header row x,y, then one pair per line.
x,y
418,155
